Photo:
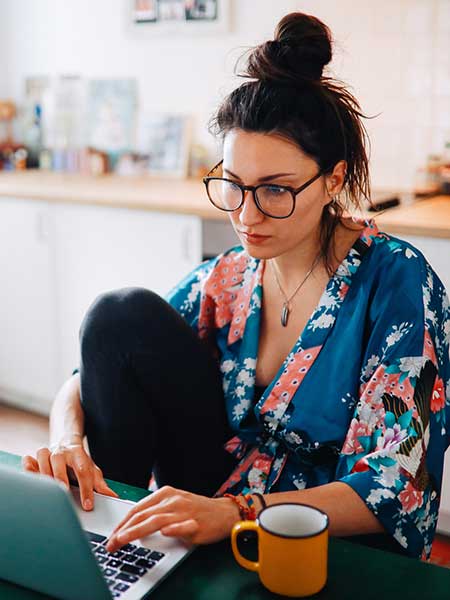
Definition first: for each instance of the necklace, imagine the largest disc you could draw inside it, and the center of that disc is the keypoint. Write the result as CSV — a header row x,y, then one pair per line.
x,y
285,311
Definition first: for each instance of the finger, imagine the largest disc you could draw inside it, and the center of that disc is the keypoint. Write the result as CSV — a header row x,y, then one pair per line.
x,y
135,520
136,510
82,467
131,518
101,486
43,458
71,473
157,497
59,468
146,527
29,463
163,495
185,529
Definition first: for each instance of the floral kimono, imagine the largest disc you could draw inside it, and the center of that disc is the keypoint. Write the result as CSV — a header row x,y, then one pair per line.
x,y
363,396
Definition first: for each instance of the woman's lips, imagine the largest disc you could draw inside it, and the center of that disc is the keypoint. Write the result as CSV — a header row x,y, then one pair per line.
x,y
253,238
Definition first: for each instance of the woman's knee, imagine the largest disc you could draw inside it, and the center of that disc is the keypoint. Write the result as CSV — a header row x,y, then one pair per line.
x,y
116,311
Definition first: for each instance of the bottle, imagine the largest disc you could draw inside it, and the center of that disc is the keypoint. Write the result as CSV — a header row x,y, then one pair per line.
x,y
444,170
446,155
45,160
33,136
434,162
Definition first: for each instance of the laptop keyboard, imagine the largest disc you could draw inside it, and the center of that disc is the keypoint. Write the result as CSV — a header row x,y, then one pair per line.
x,y
123,567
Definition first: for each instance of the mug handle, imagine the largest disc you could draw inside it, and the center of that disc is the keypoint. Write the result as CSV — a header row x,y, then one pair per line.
x,y
237,529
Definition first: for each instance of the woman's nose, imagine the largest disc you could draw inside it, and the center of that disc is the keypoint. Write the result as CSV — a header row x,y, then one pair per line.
x,y
250,213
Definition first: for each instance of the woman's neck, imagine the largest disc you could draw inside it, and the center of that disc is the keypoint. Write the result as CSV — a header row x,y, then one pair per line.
x,y
292,265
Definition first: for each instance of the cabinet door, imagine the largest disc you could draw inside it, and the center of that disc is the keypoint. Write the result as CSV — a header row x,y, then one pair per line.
x,y
101,249
28,367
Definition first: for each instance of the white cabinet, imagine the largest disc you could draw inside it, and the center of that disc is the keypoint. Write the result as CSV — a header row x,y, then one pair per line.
x,y
101,249
444,509
54,260
28,364
217,236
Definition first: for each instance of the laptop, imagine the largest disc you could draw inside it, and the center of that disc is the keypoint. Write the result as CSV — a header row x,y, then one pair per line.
x,y
56,548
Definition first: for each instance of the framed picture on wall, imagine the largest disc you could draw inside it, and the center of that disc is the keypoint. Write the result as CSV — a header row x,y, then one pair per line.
x,y
179,16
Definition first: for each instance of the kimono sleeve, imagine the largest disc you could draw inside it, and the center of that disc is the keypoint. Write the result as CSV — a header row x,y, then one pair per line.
x,y
393,453
186,297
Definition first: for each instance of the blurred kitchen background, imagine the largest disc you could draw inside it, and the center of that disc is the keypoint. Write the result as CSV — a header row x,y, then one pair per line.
x,y
395,55
104,107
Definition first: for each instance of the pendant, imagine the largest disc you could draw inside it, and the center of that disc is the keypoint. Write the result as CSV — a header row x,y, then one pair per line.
x,y
285,314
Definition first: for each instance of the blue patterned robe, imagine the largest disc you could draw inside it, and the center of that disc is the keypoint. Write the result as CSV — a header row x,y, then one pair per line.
x,y
364,395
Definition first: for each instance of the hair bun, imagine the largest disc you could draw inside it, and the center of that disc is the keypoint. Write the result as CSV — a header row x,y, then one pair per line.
x,y
300,50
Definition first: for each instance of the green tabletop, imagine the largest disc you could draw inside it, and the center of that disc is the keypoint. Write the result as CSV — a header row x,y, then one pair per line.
x,y
211,573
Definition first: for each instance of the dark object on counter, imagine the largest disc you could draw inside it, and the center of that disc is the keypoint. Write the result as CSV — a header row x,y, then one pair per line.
x,y
12,155
445,179
384,204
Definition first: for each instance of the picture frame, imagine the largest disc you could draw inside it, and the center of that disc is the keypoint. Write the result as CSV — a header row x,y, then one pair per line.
x,y
111,110
165,138
192,17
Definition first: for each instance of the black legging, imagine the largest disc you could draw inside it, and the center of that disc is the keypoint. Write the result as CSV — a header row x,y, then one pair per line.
x,y
152,395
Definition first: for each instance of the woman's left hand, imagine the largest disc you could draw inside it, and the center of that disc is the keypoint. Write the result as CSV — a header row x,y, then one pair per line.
x,y
196,519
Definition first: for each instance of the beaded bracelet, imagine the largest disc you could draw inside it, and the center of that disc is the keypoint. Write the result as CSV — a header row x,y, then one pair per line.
x,y
251,505
246,513
246,491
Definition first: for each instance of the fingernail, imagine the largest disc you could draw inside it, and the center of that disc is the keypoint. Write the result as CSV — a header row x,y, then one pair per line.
x,y
87,504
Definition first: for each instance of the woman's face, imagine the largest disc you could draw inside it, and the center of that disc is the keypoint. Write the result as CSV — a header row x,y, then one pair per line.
x,y
255,158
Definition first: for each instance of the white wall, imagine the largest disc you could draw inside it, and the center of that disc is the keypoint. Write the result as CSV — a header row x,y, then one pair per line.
x,y
4,62
394,53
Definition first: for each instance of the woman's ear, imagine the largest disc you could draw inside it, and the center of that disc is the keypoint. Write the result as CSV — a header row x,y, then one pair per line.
x,y
335,181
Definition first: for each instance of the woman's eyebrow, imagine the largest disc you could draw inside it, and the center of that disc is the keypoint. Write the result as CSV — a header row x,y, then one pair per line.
x,y
265,178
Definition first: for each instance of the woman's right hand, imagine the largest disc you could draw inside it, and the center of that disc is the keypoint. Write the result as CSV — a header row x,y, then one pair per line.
x,y
66,460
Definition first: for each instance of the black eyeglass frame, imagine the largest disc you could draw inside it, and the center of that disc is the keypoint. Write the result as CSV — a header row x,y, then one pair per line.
x,y
254,188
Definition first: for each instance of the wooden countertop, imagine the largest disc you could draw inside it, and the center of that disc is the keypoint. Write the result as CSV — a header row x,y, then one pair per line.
x,y
184,196
429,217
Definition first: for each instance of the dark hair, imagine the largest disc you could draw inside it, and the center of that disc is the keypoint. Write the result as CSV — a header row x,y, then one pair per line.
x,y
287,94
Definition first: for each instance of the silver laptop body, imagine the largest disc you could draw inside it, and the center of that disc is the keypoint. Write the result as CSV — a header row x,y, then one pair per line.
x,y
48,549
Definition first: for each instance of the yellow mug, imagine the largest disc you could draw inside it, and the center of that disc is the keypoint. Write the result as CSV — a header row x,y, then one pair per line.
x,y
292,548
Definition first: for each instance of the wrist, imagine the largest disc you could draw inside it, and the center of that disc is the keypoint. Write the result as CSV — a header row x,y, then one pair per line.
x,y
231,510
71,439
245,505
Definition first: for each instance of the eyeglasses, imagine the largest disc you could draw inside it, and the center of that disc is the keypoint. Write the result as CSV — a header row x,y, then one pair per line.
x,y
273,200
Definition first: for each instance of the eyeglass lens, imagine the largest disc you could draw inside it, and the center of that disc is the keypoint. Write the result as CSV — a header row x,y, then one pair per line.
x,y
273,200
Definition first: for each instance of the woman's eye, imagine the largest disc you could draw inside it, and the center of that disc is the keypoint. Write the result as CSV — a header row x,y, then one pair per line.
x,y
232,185
275,190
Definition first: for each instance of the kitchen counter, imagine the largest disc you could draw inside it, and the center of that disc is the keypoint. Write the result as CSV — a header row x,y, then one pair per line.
x,y
183,196
430,217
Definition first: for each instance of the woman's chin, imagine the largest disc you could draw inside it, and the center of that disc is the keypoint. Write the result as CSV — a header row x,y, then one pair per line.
x,y
257,252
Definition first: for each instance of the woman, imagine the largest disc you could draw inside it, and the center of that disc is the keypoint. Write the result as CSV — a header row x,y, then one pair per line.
x,y
308,365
